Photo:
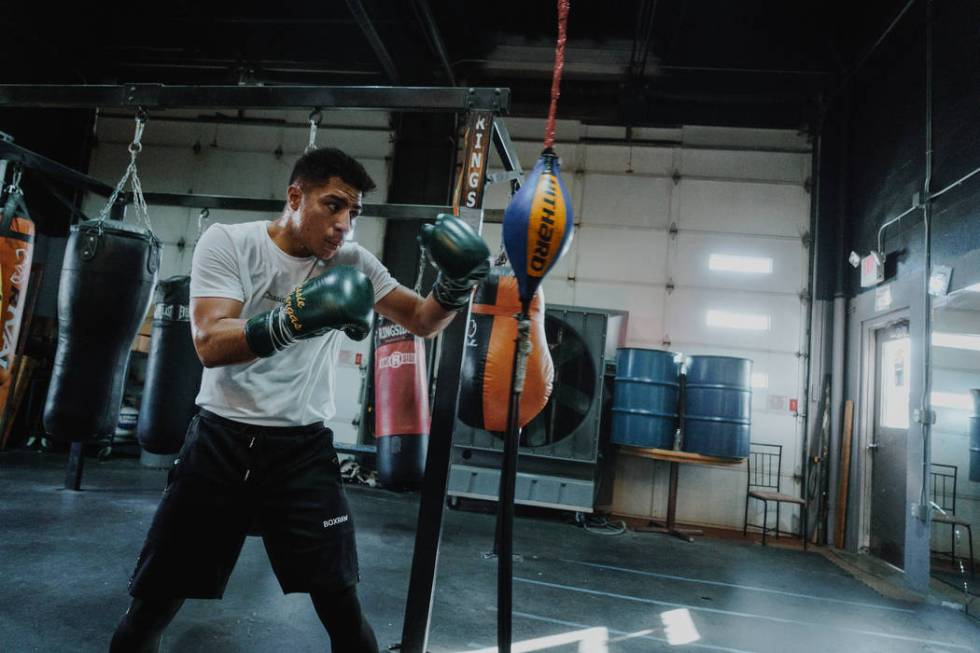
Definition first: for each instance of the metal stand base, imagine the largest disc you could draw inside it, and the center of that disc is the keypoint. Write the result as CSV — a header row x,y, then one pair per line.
x,y
76,465
680,533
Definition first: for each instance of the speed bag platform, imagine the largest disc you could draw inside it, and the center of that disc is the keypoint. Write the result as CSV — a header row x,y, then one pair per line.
x,y
488,356
173,371
103,295
401,405
16,252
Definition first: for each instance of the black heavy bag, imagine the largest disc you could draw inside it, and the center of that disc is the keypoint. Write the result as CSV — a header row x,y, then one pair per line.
x,y
401,405
173,371
105,289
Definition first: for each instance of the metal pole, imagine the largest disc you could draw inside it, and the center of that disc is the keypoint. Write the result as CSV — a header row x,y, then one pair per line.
x,y
508,480
76,465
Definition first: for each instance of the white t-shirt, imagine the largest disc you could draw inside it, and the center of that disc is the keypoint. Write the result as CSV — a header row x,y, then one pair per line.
x,y
295,386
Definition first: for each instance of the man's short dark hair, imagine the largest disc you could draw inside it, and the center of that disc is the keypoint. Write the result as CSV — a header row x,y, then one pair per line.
x,y
318,166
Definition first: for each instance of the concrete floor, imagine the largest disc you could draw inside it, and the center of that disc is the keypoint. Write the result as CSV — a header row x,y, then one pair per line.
x,y
65,558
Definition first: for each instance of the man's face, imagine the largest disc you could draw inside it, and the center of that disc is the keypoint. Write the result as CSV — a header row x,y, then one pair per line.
x,y
325,214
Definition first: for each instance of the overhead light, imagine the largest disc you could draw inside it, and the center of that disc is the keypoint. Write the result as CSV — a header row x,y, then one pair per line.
x,y
760,380
974,288
731,320
957,400
969,341
732,263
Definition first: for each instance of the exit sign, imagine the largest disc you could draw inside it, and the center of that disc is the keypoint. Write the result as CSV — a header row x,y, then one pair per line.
x,y
872,270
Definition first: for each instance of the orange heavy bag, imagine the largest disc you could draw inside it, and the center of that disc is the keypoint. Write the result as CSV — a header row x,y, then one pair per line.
x,y
16,251
401,405
488,356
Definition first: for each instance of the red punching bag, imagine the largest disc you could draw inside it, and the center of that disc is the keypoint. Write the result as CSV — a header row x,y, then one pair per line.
x,y
401,405
16,252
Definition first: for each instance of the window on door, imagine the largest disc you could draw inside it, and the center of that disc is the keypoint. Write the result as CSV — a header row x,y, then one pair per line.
x,y
894,388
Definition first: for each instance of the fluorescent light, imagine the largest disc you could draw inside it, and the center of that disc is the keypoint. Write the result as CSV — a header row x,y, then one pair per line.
x,y
957,400
730,320
679,627
590,640
732,263
760,380
956,340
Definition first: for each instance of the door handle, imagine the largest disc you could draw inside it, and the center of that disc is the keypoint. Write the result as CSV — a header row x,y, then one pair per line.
x,y
872,445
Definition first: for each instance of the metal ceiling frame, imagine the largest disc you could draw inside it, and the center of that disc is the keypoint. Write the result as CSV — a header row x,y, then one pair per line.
x,y
160,96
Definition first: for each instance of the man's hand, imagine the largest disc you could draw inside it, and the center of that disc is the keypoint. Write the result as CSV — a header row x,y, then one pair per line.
x,y
460,254
341,298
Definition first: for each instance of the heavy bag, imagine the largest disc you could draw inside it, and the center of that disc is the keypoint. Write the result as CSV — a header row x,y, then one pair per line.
x,y
401,405
488,356
16,252
173,371
538,224
104,292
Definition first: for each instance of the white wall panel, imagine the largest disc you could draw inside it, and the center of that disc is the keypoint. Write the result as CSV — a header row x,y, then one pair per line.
x,y
630,256
743,207
789,167
626,201
644,303
687,311
689,265
621,159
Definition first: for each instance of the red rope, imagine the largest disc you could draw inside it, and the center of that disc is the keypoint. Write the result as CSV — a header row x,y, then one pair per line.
x,y
549,130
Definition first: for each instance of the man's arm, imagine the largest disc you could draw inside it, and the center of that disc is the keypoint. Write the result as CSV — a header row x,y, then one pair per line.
x,y
219,332
423,317
463,261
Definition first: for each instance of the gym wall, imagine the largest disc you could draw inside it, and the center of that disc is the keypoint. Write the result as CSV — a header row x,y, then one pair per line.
x,y
648,218
183,155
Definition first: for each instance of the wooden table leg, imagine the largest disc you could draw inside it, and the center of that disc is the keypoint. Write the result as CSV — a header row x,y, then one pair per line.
x,y
671,526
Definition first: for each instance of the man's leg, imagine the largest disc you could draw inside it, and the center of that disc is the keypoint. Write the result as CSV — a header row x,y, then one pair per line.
x,y
143,624
341,615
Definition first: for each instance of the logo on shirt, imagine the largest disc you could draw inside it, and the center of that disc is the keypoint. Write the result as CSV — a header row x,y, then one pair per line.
x,y
275,298
336,520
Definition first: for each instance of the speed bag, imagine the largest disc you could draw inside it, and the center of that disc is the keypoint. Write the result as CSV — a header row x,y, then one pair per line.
x,y
104,292
16,252
173,371
488,356
401,405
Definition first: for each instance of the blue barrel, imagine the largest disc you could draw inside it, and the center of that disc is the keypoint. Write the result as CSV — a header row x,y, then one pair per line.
x,y
718,406
975,437
644,412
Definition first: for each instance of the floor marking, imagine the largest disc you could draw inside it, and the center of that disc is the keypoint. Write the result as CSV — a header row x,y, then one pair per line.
x,y
736,585
627,636
747,615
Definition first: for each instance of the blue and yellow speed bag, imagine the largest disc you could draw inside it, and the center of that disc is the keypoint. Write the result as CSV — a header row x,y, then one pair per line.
x,y
538,225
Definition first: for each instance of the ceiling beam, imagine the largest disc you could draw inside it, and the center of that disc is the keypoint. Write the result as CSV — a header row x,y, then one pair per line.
x,y
364,21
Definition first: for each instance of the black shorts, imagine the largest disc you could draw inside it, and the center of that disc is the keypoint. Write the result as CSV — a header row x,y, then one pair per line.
x,y
230,478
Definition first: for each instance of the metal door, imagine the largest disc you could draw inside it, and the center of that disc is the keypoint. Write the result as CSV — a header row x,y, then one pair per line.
x,y
888,442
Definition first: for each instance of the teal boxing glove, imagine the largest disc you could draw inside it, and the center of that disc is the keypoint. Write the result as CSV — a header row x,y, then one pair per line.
x,y
341,298
460,254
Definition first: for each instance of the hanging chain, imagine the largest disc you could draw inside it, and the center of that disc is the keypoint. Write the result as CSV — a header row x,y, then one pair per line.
x,y
201,220
315,117
131,174
501,256
14,186
423,257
